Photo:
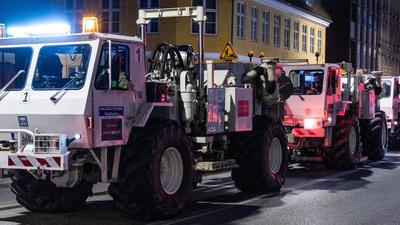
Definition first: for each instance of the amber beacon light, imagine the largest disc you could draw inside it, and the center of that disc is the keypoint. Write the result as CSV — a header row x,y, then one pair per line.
x,y
90,25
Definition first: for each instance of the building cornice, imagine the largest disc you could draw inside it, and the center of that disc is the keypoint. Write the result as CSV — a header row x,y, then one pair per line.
x,y
294,11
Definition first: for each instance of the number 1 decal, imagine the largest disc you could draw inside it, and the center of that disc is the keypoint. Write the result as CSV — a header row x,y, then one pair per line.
x,y
25,97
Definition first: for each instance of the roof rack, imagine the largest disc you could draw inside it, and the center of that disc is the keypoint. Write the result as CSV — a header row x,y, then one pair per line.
x,y
293,61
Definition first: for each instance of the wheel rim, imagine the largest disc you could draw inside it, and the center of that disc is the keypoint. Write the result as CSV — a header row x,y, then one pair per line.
x,y
275,156
171,170
353,140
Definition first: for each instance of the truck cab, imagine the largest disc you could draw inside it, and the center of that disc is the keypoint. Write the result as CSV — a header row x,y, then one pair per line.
x,y
389,99
331,112
56,90
316,91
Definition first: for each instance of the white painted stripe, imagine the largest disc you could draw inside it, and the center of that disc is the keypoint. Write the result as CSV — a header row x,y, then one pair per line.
x,y
33,161
52,162
16,160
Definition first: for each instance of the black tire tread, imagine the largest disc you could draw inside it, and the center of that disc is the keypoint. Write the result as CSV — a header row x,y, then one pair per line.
x,y
249,151
44,197
135,194
372,134
339,156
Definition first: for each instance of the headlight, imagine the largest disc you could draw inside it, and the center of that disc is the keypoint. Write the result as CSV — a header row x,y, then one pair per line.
x,y
310,123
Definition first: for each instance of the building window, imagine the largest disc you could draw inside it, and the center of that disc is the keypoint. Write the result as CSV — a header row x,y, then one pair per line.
x,y
241,9
110,16
74,14
319,41
312,39
277,31
286,37
304,39
211,13
154,25
296,30
254,16
265,34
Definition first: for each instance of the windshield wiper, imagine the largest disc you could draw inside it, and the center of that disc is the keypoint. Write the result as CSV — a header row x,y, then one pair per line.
x,y
54,97
300,96
11,81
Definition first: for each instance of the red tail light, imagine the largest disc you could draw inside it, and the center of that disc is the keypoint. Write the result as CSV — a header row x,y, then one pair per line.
x,y
243,108
289,120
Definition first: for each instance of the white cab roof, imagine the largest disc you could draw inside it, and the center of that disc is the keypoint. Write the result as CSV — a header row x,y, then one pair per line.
x,y
67,38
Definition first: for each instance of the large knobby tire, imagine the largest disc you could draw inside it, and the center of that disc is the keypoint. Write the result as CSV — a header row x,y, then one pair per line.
x,y
45,197
375,138
156,172
344,153
394,140
262,156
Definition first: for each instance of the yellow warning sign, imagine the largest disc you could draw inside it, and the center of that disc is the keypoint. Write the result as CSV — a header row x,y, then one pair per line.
x,y
228,54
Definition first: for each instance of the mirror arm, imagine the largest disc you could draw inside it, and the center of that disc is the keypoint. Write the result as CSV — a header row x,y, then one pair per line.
x,y
109,64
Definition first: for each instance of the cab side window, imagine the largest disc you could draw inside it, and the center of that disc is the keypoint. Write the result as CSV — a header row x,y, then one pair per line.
x,y
119,68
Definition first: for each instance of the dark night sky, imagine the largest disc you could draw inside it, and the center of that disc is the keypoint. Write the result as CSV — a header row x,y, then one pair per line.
x,y
20,12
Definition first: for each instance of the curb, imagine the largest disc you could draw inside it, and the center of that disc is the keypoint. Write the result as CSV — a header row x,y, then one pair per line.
x,y
5,181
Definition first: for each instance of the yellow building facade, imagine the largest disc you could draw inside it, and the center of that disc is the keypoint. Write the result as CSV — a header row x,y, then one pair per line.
x,y
276,28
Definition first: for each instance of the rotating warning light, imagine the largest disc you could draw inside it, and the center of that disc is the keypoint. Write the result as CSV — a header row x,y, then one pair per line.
x,y
39,30
90,25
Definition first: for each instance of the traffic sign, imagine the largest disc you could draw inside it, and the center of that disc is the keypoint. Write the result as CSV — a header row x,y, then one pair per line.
x,y
228,54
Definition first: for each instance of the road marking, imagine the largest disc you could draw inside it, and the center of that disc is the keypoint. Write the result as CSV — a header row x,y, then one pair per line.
x,y
214,210
8,207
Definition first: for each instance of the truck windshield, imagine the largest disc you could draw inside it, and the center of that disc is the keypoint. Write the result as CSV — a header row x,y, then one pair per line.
x,y
12,60
307,82
386,87
57,65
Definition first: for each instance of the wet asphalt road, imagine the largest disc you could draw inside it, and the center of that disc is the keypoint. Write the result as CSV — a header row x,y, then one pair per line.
x,y
312,195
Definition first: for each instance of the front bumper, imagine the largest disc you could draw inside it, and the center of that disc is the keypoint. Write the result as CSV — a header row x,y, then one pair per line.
x,y
308,133
31,161
33,151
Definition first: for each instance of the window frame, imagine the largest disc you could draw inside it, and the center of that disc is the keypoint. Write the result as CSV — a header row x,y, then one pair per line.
x,y
277,31
254,24
105,46
296,35
319,41
312,39
241,20
304,37
111,10
310,70
27,70
153,21
56,89
266,27
286,33
207,10
76,14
